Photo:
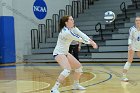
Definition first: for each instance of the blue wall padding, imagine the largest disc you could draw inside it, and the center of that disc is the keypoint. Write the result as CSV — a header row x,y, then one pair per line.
x,y
7,40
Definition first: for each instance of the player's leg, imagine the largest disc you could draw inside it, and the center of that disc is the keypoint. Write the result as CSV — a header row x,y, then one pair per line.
x,y
128,64
76,65
138,54
63,62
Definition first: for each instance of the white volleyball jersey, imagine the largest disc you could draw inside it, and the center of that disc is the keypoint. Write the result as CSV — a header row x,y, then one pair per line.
x,y
65,38
134,36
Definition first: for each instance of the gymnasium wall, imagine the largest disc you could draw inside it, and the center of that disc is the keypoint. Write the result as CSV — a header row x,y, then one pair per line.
x,y
0,9
25,20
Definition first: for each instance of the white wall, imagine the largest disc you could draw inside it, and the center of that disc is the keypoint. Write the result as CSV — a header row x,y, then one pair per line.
x,y
3,8
0,8
55,5
23,14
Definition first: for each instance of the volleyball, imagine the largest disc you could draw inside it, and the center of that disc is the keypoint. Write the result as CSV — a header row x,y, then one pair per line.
x,y
109,16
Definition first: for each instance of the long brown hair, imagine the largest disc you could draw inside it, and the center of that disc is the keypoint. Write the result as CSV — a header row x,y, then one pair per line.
x,y
62,21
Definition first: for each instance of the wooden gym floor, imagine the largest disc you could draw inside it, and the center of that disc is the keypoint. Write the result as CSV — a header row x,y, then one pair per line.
x,y
39,78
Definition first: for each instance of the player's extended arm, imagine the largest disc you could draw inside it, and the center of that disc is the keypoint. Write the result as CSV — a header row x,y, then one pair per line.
x,y
85,37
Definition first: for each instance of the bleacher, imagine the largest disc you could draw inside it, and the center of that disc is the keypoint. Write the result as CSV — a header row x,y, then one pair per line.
x,y
88,16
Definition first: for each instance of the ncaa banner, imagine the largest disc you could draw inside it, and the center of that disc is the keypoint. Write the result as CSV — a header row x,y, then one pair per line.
x,y
40,9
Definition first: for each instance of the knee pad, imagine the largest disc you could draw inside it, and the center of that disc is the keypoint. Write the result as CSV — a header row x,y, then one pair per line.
x,y
79,69
65,72
127,65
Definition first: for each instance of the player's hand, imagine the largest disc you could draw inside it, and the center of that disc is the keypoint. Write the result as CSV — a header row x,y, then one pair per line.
x,y
94,45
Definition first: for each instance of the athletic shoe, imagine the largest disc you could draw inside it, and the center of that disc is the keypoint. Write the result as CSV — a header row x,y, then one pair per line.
x,y
54,91
125,79
78,87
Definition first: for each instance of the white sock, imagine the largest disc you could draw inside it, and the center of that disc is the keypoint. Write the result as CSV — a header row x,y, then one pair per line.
x,y
76,81
127,65
57,84
124,74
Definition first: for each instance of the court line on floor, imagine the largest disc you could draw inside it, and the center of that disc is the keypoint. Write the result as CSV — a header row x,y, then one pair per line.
x,y
86,80
110,76
132,82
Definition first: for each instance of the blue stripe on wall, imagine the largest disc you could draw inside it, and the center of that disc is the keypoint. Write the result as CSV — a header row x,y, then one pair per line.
x,y
7,40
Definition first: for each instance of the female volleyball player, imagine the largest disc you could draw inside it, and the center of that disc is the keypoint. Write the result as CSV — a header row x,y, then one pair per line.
x,y
68,33
134,46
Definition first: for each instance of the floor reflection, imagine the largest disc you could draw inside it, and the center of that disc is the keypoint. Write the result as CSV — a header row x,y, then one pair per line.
x,y
78,91
125,87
